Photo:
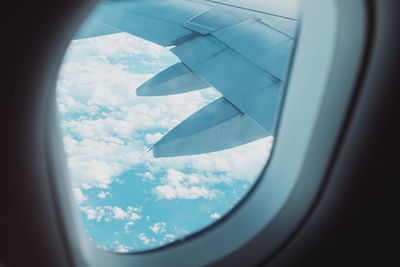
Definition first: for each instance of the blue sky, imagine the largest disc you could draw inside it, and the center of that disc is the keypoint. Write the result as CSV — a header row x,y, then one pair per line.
x,y
129,202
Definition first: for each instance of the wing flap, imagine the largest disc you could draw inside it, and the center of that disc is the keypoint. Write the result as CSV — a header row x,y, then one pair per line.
x,y
252,90
217,126
270,48
174,80
215,18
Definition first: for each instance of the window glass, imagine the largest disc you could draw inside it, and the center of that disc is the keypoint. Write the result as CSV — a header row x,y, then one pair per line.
x,y
168,113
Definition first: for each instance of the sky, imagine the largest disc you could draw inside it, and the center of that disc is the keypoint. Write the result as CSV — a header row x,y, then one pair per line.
x,y
129,202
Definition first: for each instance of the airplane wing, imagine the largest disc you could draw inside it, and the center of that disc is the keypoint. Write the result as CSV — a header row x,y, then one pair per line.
x,y
240,47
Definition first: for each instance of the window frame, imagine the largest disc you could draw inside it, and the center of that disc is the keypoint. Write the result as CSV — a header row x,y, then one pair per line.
x,y
285,194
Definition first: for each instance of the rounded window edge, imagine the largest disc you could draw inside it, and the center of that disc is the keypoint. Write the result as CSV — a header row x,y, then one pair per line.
x,y
86,252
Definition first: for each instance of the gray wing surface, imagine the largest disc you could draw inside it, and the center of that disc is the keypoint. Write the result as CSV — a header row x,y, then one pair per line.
x,y
241,48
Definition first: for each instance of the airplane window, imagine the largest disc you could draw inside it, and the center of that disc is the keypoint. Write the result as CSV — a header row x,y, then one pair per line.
x,y
168,112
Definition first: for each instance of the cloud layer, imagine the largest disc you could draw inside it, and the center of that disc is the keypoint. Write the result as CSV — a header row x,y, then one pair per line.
x,y
107,129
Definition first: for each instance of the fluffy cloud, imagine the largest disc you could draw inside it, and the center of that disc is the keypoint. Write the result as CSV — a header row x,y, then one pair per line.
x,y
109,212
103,117
122,248
215,215
103,194
153,138
127,225
144,239
119,213
116,45
78,195
239,163
98,163
179,185
148,175
159,227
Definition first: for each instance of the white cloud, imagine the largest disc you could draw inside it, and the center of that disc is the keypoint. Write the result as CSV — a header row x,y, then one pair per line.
x,y
148,175
119,213
144,239
79,196
159,227
122,249
127,225
109,212
88,85
215,215
153,63
69,104
97,163
239,163
117,45
99,148
177,185
103,194
153,138
165,191
90,212
133,216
